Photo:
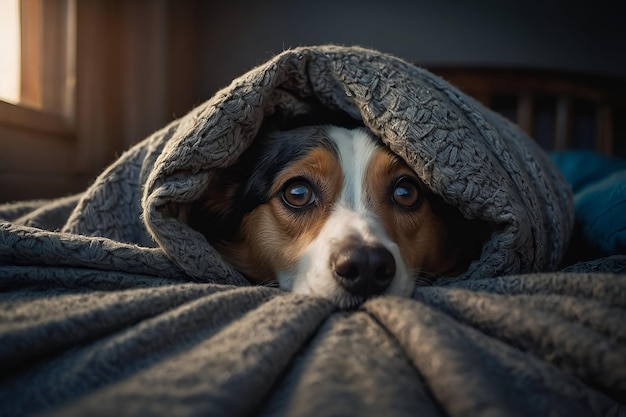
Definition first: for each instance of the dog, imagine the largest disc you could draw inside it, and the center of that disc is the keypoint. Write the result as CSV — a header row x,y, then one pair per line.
x,y
330,211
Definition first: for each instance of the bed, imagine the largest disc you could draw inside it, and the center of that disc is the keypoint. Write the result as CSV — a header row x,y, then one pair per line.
x,y
110,304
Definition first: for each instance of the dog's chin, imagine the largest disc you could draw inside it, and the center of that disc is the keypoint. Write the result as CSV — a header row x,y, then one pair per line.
x,y
326,287
348,301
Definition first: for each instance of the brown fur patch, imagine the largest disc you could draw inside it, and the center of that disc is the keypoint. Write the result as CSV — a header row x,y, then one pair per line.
x,y
419,233
273,237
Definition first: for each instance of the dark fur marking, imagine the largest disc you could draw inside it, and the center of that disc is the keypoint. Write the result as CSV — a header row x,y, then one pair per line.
x,y
247,184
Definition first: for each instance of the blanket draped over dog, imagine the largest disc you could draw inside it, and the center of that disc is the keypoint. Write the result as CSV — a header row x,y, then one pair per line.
x,y
110,304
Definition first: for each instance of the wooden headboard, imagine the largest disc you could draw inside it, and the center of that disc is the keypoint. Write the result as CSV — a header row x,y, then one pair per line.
x,y
559,110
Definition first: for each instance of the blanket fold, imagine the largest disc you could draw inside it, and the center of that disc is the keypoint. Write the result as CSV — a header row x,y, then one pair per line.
x,y
473,158
110,303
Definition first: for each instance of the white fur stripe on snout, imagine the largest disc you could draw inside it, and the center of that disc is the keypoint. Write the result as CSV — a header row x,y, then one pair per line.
x,y
351,218
355,150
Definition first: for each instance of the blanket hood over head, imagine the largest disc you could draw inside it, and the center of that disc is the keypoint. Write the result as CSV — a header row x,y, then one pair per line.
x,y
472,157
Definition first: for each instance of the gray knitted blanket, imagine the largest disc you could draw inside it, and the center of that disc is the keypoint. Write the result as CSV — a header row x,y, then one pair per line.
x,y
111,305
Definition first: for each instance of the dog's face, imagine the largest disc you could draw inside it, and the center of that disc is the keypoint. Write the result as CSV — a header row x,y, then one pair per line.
x,y
331,212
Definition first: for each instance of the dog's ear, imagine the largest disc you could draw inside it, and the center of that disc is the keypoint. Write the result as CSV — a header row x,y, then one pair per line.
x,y
465,241
464,238
216,213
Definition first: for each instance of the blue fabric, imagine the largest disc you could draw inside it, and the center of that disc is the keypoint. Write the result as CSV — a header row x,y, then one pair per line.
x,y
582,167
601,209
599,185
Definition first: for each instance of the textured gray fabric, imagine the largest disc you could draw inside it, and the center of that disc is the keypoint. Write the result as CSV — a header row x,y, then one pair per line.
x,y
106,343
465,153
110,304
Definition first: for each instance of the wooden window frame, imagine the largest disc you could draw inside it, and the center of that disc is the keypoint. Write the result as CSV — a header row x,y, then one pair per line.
x,y
47,86
38,135
94,83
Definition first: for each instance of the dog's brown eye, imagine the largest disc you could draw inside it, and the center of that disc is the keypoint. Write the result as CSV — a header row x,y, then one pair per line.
x,y
298,194
406,194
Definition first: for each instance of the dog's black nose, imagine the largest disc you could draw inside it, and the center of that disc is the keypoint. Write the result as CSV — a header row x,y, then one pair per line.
x,y
363,269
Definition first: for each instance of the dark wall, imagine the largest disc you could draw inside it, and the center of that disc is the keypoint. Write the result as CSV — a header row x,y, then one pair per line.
x,y
575,35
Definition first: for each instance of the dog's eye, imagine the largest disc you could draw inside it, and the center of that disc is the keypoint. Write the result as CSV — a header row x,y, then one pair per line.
x,y
298,194
406,194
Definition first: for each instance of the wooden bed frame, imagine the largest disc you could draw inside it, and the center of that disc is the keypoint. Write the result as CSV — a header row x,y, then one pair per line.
x,y
560,110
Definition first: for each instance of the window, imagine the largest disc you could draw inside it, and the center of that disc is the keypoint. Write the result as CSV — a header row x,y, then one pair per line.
x,y
37,110
10,50
82,100
37,39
